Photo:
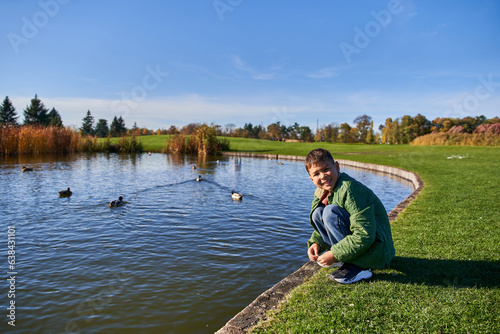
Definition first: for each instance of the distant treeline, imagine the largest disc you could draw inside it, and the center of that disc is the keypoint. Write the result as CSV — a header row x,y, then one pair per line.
x,y
461,131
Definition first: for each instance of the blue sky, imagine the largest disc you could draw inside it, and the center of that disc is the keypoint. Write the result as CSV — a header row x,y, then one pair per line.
x,y
162,63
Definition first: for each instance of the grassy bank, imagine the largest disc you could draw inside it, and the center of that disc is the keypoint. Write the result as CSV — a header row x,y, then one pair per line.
x,y
445,277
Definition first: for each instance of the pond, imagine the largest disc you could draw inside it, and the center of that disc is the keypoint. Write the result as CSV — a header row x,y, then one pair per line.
x,y
179,257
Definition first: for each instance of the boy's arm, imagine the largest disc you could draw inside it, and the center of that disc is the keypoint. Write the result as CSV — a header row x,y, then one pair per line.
x,y
317,239
362,224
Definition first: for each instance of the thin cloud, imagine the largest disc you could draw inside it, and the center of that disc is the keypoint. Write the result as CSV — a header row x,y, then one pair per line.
x,y
240,65
324,73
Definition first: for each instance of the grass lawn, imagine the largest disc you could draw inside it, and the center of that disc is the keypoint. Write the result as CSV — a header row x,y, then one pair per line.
x,y
445,277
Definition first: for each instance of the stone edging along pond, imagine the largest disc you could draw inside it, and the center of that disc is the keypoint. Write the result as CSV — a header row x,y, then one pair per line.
x,y
270,298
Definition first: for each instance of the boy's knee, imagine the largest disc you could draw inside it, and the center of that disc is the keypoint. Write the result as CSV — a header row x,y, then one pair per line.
x,y
318,213
336,212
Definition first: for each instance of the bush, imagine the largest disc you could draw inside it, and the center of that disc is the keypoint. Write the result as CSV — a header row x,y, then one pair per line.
x,y
203,141
484,138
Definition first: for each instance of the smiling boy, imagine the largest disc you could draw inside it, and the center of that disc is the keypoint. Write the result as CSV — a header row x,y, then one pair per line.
x,y
351,226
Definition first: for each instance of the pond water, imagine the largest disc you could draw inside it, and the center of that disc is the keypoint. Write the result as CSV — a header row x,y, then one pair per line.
x,y
179,257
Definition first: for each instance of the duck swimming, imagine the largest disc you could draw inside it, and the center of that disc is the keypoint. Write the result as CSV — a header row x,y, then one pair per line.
x,y
198,179
236,196
117,202
27,169
194,167
65,193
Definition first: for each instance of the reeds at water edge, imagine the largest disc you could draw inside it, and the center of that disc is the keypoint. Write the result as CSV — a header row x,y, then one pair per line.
x,y
15,140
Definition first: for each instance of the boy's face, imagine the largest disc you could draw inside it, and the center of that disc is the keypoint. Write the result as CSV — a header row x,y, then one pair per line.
x,y
324,174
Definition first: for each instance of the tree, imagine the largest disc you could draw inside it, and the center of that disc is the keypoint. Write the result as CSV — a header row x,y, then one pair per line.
x,y
408,129
172,130
117,127
305,133
122,127
55,119
229,128
273,130
8,114
345,133
87,128
101,128
36,113
422,124
135,129
386,131
370,136
362,124
189,129
328,133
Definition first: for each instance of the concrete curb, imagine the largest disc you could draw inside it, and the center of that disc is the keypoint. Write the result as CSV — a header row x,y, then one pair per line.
x,y
270,298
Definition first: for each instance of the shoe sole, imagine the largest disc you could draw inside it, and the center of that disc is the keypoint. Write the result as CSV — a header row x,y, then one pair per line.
x,y
365,274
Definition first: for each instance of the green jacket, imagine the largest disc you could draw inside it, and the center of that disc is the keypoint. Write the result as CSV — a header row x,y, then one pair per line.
x,y
370,245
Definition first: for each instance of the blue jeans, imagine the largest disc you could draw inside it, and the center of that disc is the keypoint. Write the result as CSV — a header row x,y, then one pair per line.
x,y
332,222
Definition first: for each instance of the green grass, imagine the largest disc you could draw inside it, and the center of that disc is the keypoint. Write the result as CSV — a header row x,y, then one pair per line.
x,y
446,274
445,277
149,143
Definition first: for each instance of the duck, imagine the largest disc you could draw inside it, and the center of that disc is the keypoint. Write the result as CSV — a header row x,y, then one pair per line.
x,y
27,169
280,163
236,196
198,179
194,167
117,202
65,193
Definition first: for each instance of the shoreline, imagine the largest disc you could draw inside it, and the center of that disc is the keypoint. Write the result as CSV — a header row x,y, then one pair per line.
x,y
270,299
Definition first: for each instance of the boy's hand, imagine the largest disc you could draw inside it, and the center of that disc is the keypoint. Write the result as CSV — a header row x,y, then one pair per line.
x,y
327,258
313,252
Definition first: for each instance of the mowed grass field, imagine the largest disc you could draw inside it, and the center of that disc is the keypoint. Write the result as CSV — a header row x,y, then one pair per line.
x,y
445,277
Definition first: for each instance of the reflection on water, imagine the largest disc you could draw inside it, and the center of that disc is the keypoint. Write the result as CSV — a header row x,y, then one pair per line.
x,y
181,256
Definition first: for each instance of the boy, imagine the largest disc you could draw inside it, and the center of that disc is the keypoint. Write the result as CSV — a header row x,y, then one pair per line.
x,y
350,223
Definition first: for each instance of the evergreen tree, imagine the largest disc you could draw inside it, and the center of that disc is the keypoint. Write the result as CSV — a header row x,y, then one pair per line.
x,y
101,128
55,119
122,127
8,114
36,113
114,128
117,127
87,125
